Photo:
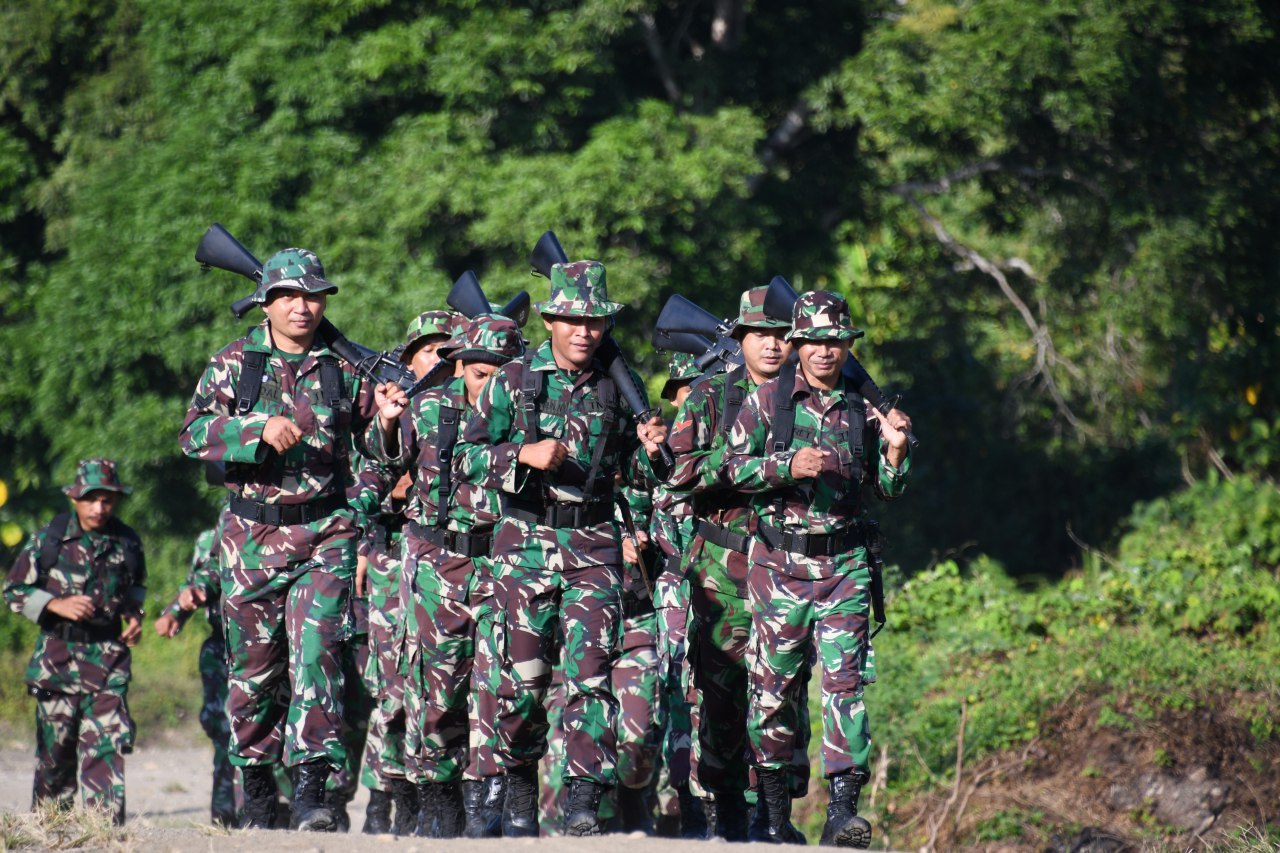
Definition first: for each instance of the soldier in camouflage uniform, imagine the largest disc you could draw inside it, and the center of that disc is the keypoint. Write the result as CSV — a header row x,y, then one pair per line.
x,y
79,578
203,588
550,432
671,531
809,579
280,410
378,576
446,552
715,568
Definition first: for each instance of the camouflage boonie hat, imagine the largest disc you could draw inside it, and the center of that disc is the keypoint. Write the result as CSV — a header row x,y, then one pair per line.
x,y
821,315
296,269
751,313
490,338
428,323
93,475
684,368
578,290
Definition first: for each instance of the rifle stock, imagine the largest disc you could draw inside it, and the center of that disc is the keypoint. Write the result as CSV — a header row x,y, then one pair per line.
x,y
467,298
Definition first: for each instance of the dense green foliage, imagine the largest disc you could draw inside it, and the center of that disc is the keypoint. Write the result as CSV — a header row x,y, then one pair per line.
x,y
1183,617
1056,220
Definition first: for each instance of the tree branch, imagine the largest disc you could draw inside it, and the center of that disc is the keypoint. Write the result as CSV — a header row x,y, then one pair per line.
x,y
784,137
649,28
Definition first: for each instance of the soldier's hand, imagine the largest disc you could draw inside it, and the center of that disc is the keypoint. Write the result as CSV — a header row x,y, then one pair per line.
x,y
897,441
281,433
132,632
652,433
74,607
545,455
402,487
362,572
167,625
190,597
391,401
807,462
629,552
898,419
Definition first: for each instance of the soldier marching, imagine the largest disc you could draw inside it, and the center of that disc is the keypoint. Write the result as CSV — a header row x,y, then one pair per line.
x,y
511,525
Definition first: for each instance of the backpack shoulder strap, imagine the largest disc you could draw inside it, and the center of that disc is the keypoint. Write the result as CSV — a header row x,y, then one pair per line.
x,y
731,399
333,390
608,391
784,410
249,383
446,438
52,544
531,383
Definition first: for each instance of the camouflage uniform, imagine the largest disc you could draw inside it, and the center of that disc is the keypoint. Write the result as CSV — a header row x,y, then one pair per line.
x,y
288,538
449,580
79,672
808,581
556,547
384,747
204,576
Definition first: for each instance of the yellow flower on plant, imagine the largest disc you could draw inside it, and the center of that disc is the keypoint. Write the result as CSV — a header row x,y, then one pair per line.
x,y
10,534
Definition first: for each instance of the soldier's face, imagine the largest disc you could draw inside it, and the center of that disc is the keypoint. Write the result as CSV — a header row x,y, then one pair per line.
x,y
574,340
295,315
474,376
94,509
821,361
681,394
426,356
765,351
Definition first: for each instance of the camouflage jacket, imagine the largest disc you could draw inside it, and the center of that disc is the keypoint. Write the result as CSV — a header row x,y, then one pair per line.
x,y
89,563
827,503
671,529
205,577
317,466
571,411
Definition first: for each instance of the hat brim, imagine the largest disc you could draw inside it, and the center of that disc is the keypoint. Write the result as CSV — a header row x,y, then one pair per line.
x,y
484,355
578,309
829,333
672,385
78,490
306,283
740,326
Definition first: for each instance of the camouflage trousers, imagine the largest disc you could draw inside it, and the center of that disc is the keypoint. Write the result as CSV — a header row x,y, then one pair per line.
x,y
442,631
88,734
357,709
487,674
286,630
539,606
216,724
672,623
640,718
384,745
790,618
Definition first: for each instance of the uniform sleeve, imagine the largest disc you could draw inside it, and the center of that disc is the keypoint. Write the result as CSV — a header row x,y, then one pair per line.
x,y
486,453
211,431
742,460
20,590
890,482
137,596
690,444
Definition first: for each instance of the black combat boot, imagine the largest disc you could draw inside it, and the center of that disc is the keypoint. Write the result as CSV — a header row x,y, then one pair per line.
x,y
495,792
404,794
693,817
582,807
310,813
709,812
450,816
844,828
337,803
472,803
773,807
633,809
730,816
259,797
520,806
428,810
377,815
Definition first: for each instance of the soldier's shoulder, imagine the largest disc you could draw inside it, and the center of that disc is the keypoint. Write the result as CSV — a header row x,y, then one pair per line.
x,y
125,533
233,351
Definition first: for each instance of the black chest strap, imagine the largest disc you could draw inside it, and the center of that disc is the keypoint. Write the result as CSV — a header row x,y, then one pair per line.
x,y
51,547
731,399
447,438
333,390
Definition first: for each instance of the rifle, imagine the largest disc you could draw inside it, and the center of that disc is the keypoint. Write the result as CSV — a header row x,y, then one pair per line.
x,y
685,327
548,252
778,302
629,522
875,560
467,298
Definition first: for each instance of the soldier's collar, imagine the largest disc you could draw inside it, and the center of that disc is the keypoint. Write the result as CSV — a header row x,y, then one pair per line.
x,y
543,359
259,339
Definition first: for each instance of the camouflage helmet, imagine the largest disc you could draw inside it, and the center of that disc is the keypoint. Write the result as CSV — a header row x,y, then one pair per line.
x,y
295,269
428,323
751,313
578,290
821,315
490,338
96,475
683,369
